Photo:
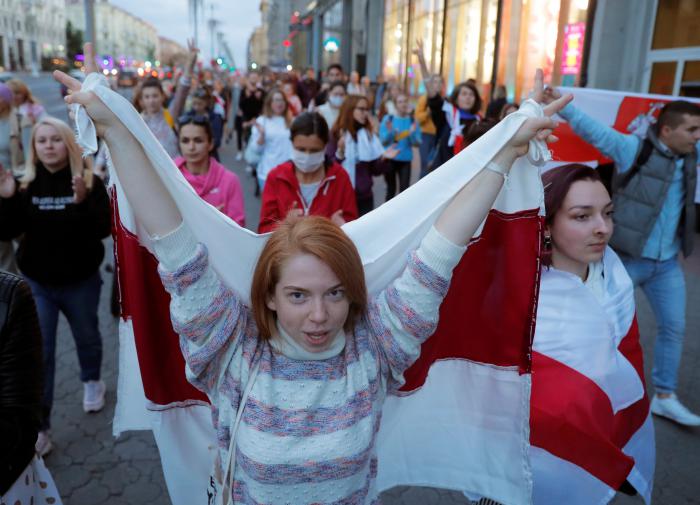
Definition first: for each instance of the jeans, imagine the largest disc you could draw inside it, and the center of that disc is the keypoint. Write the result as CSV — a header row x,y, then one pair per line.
x,y
664,285
427,152
79,303
400,169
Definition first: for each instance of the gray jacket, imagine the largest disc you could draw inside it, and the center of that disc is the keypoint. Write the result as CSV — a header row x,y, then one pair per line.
x,y
638,202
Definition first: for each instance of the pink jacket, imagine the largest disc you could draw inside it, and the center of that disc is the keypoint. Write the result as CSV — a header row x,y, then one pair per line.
x,y
219,187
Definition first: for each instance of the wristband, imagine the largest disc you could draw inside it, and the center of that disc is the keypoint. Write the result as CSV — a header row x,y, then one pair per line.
x,y
495,167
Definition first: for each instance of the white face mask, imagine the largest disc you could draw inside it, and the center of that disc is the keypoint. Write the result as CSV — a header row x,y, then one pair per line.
x,y
307,162
336,100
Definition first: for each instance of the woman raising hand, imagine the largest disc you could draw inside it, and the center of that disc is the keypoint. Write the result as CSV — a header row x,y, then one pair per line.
x,y
311,342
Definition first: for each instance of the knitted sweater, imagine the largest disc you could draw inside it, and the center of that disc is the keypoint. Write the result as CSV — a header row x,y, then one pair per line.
x,y
308,431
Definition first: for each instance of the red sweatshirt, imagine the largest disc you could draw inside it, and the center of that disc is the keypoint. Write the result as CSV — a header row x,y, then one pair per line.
x,y
282,193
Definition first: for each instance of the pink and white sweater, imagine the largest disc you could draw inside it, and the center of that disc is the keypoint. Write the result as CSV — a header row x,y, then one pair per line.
x,y
308,432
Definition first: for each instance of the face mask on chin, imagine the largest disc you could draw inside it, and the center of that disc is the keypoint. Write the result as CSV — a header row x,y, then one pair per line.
x,y
307,162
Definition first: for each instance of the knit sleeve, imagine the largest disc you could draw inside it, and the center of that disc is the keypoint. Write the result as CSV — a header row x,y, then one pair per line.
x,y
208,316
405,314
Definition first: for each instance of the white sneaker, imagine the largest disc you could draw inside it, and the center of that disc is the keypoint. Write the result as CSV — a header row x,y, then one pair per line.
x,y
248,169
239,156
93,396
43,444
674,410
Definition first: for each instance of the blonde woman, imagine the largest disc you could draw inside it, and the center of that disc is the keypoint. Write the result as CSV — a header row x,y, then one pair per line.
x,y
28,108
270,136
10,159
62,213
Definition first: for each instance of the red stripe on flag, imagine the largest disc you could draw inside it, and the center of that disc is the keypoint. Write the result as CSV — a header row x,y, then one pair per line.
x,y
572,148
572,418
488,313
147,304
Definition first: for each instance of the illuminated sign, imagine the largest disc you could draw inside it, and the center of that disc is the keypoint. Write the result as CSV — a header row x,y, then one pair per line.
x,y
572,48
331,44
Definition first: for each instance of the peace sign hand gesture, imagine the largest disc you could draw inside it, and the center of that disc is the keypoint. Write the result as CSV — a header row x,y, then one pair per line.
x,y
538,128
102,117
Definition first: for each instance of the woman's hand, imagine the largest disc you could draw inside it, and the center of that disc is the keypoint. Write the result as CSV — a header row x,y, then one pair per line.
x,y
337,217
391,152
79,189
7,183
102,117
341,142
261,133
192,53
538,128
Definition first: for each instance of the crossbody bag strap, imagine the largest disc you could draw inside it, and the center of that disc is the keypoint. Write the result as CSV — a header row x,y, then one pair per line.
x,y
227,488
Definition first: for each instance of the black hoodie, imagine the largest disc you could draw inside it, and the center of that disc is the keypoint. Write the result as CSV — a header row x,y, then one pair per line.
x,y
62,241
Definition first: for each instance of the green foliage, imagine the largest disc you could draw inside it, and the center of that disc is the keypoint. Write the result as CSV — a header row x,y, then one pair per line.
x,y
74,41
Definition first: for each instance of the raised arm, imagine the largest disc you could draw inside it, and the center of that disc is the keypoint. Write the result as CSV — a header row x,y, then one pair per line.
x,y
149,199
618,146
463,215
184,84
420,53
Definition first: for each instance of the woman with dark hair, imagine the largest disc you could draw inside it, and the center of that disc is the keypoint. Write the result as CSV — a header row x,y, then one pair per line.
x,y
461,110
298,377
310,184
586,350
23,476
358,148
212,181
149,100
203,105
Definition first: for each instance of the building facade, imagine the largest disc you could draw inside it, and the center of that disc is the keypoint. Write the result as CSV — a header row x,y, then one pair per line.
x,y
494,42
121,37
257,51
634,45
32,34
171,53
646,46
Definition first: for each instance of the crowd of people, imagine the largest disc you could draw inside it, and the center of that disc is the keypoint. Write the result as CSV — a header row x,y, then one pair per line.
x,y
313,148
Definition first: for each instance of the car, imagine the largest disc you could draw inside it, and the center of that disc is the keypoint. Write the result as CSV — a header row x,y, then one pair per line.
x,y
127,79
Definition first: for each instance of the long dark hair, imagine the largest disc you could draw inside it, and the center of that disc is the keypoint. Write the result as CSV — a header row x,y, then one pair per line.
x,y
477,97
346,118
557,183
309,123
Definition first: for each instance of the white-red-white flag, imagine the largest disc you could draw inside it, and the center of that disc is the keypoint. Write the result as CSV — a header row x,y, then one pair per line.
x,y
463,419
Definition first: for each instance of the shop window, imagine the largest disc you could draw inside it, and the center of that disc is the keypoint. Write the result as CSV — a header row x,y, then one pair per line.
x,y
663,75
677,24
426,24
396,38
690,84
470,31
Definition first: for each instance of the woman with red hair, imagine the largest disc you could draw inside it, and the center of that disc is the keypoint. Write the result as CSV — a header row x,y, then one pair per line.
x,y
297,379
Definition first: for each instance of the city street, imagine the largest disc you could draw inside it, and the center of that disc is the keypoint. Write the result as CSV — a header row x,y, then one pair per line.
x,y
91,467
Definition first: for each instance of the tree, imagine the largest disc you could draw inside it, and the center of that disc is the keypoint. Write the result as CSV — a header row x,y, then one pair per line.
x,y
151,53
74,41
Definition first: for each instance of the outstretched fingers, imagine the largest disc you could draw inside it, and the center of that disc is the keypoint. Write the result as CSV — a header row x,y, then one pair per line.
x,y
69,82
538,88
90,64
558,104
